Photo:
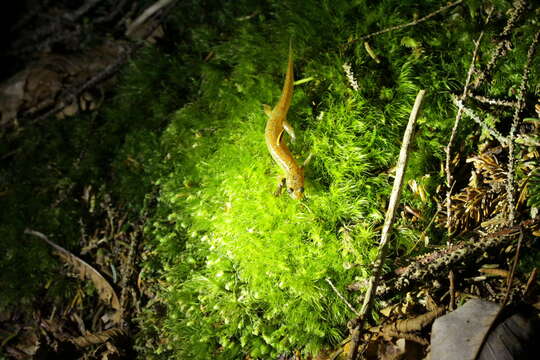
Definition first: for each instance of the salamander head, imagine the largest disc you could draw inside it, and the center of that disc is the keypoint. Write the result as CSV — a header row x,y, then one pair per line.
x,y
295,184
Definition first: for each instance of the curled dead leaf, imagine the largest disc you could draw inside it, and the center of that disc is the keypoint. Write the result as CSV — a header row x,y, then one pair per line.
x,y
96,338
86,272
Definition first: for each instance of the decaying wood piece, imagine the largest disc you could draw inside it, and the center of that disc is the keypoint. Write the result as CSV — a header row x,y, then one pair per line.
x,y
435,265
416,323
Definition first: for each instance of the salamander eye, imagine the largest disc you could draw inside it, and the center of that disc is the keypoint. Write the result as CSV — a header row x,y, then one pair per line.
x,y
290,190
301,189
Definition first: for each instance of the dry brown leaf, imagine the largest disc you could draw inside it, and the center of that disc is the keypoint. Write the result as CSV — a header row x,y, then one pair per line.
x,y
86,272
495,272
96,338
26,346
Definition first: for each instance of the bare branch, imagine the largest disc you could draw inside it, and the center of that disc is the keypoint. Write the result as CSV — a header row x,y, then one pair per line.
x,y
388,223
471,114
504,44
515,123
448,149
147,14
89,4
342,297
510,278
412,23
498,102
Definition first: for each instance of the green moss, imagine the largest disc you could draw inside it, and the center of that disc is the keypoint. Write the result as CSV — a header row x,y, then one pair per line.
x,y
249,277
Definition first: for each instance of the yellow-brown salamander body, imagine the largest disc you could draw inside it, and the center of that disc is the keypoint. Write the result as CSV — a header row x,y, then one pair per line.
x,y
275,127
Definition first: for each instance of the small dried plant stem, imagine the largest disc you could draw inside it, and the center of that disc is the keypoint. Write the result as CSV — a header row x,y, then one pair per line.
x,y
388,222
510,279
412,23
510,186
88,5
452,289
504,43
498,102
471,114
127,272
342,297
448,149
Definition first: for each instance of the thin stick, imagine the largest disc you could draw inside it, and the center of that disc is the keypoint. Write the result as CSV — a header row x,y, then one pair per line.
x,y
88,5
529,288
498,102
504,44
452,290
448,149
412,23
342,297
471,114
515,123
388,222
148,13
510,279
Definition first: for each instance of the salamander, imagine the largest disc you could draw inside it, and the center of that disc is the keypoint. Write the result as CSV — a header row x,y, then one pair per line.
x,y
276,125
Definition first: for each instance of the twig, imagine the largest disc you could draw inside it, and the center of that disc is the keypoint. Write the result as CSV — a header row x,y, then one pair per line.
x,y
471,114
529,288
388,222
112,14
515,123
452,290
61,35
412,23
504,44
72,93
448,149
147,14
407,336
74,16
342,297
127,271
336,353
498,102
510,279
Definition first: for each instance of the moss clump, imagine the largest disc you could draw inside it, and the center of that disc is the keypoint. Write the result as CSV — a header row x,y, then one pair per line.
x,y
245,271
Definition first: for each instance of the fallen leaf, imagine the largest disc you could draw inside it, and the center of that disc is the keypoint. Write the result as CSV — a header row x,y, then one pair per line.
x,y
86,272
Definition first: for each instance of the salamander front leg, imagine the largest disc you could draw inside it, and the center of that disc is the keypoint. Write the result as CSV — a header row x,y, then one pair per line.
x,y
281,185
289,129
